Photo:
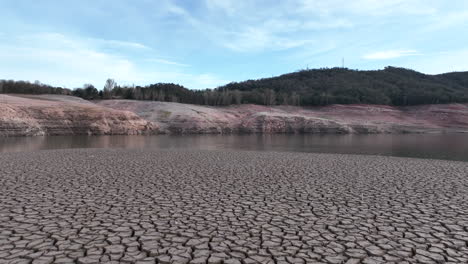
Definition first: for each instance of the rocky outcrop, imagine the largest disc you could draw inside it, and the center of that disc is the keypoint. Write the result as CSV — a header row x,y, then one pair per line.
x,y
360,119
65,115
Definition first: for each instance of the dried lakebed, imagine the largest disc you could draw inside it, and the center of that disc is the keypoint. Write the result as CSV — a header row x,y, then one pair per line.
x,y
133,206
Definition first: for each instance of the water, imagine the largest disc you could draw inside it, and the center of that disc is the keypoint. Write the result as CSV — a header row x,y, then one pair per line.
x,y
437,146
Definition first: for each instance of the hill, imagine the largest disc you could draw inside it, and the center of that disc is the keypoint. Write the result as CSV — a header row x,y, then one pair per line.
x,y
318,87
391,86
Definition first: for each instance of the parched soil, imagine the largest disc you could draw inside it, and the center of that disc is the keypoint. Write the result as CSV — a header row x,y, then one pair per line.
x,y
135,206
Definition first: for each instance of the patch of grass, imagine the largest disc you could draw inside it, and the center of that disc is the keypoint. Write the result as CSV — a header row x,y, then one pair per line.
x,y
165,114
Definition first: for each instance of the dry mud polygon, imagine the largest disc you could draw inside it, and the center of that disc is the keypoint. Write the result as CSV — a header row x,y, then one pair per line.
x,y
131,206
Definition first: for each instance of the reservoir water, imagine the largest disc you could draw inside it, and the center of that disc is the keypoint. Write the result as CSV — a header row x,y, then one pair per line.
x,y
435,146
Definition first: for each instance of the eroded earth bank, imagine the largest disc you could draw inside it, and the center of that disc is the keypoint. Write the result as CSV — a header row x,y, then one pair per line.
x,y
130,206
185,118
32,115
40,115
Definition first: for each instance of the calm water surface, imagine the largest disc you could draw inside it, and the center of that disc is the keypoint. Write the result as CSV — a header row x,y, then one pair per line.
x,y
437,146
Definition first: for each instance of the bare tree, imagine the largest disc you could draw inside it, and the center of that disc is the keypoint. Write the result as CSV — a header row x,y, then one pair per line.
x,y
226,98
136,93
270,97
1,89
206,97
161,96
284,99
295,99
110,84
237,97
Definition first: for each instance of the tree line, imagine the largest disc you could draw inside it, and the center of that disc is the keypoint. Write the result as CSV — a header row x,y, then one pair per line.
x,y
391,86
23,87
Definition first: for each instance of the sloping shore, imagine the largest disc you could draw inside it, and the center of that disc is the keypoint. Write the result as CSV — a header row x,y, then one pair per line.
x,y
150,206
33,115
185,118
37,115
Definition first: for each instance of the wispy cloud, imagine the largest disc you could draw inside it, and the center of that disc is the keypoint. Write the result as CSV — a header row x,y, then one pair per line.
x,y
445,61
71,61
168,62
368,7
448,20
122,44
207,80
54,39
205,43
229,7
244,26
50,57
250,26
390,54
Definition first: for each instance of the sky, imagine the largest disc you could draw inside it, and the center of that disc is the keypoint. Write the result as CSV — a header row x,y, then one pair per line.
x,y
206,43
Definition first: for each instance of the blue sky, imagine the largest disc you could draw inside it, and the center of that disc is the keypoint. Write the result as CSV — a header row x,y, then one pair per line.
x,y
206,43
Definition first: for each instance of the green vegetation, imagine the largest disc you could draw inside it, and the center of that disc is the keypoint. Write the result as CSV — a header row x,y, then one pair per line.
x,y
391,86
22,87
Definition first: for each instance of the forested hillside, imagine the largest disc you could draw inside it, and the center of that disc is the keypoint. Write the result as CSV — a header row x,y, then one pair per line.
x,y
391,86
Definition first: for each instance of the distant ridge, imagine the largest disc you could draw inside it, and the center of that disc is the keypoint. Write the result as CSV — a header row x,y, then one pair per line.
x,y
316,87
390,86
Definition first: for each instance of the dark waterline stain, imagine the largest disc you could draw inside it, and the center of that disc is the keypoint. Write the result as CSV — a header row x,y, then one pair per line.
x,y
435,146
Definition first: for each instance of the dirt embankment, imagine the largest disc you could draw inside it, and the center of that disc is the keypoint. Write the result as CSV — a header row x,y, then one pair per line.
x,y
33,115
184,118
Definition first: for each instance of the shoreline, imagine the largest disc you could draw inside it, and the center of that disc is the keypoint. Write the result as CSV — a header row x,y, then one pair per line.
x,y
36,115
426,146
406,132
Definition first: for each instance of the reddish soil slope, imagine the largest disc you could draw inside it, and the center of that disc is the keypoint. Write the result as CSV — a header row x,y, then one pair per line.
x,y
184,118
31,115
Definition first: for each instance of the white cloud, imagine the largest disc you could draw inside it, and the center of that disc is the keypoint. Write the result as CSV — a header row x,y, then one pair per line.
x,y
207,80
258,39
66,58
168,62
457,18
62,60
123,44
390,54
229,7
446,61
368,7
334,24
249,27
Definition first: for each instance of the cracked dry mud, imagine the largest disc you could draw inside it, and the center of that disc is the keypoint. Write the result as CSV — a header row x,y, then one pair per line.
x,y
131,206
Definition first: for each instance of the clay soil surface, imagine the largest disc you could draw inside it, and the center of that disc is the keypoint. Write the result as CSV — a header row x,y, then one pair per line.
x,y
135,206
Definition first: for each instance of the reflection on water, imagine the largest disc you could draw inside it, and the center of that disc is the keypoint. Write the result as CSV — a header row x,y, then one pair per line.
x,y
439,146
